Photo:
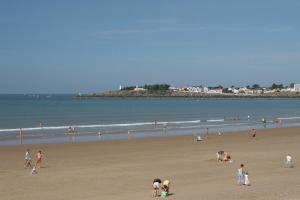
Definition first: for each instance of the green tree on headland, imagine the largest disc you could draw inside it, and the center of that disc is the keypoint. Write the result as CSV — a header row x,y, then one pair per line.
x,y
226,90
275,86
157,87
128,88
216,87
255,86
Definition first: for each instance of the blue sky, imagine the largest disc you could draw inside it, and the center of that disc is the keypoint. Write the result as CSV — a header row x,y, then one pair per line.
x,y
86,46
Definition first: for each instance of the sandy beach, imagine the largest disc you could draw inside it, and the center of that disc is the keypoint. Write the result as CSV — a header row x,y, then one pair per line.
x,y
125,169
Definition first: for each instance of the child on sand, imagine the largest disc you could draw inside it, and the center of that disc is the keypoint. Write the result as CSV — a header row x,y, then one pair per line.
x,y
39,157
247,181
27,159
156,186
241,175
289,163
34,171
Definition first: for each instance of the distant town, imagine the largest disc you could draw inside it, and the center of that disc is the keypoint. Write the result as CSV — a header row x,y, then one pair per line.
x,y
164,91
254,89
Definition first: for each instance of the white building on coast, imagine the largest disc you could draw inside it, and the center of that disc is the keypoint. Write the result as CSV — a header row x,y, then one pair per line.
x,y
297,87
137,89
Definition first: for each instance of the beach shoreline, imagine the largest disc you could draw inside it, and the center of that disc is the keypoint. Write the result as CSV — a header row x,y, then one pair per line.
x,y
163,131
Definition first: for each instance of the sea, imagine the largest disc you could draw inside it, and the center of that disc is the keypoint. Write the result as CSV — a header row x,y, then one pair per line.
x,y
48,118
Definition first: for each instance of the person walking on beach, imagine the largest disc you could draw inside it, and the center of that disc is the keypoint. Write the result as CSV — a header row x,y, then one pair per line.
x,y
206,132
241,172
253,133
289,163
39,157
27,159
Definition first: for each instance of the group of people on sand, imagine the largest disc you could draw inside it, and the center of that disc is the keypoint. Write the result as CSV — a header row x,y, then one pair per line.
x,y
28,161
223,156
160,188
243,177
71,130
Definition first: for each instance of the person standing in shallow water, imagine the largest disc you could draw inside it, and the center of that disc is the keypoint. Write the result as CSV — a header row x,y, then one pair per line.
x,y
207,132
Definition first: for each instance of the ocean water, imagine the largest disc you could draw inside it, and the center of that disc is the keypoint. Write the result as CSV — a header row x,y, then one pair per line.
x,y
46,118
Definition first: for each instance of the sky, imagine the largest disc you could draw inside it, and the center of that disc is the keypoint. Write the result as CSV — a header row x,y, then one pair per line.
x,y
71,46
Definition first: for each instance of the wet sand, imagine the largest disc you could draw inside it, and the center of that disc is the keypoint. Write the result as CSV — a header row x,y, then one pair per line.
x,y
125,169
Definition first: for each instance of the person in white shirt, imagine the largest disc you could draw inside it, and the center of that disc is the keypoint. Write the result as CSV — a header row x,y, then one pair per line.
x,y
246,177
27,159
241,175
156,187
289,162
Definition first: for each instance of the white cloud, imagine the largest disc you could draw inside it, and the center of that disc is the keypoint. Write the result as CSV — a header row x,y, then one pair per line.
x,y
256,29
159,21
120,33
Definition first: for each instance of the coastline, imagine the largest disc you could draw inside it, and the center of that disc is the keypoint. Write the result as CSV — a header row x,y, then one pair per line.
x,y
125,169
143,95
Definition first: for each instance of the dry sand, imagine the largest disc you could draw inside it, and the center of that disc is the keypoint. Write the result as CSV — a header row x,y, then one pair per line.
x,y
125,169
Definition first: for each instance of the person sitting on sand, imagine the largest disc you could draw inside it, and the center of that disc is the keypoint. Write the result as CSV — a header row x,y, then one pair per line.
x,y
289,163
27,159
241,175
198,138
156,186
220,156
226,157
39,157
